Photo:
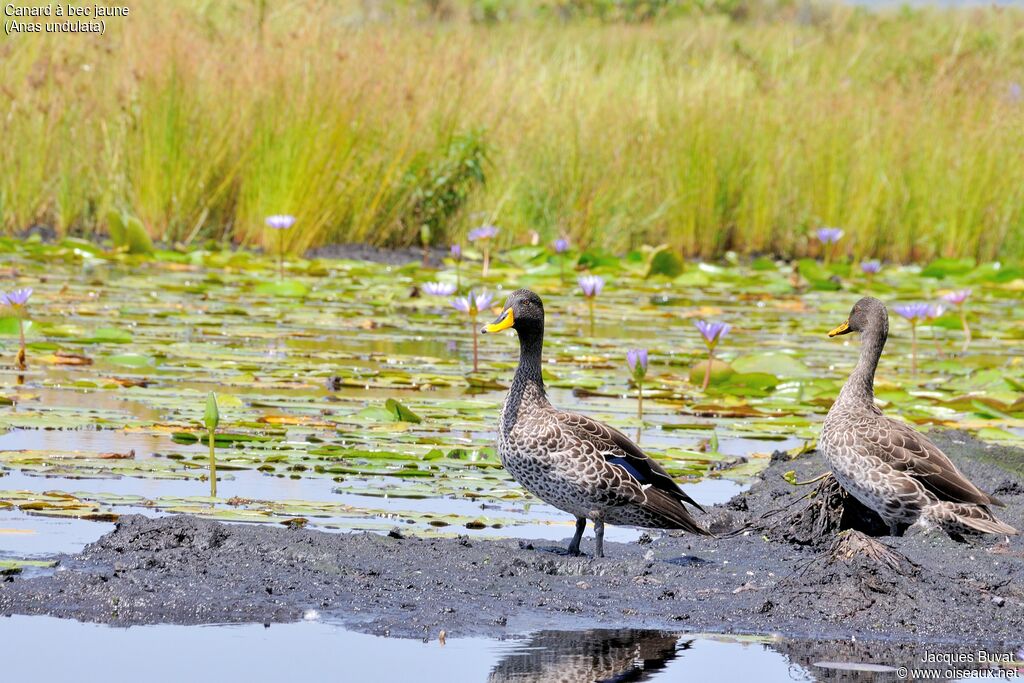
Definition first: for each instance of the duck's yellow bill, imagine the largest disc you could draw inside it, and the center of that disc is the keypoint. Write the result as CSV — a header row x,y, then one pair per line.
x,y
842,329
504,321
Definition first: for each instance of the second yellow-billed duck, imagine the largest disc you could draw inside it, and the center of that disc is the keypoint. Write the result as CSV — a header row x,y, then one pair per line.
x,y
888,465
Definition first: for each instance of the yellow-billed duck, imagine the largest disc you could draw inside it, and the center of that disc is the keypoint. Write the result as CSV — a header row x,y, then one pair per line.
x,y
578,465
887,465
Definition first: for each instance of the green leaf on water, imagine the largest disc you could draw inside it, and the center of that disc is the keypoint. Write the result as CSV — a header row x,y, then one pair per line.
x,y
664,261
401,413
109,335
781,365
815,273
283,288
131,360
136,239
943,267
9,326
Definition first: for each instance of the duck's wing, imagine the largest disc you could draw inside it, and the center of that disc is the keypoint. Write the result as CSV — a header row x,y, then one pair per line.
x,y
907,450
618,449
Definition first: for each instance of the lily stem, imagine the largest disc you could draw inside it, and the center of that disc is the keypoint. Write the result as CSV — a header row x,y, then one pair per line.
x,y
967,329
21,351
213,467
280,254
707,372
476,361
640,400
913,349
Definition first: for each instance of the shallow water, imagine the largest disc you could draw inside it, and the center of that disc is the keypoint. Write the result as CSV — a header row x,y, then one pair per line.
x,y
318,651
311,376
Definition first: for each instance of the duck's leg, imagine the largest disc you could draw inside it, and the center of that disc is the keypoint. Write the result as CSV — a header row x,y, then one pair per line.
x,y
574,545
598,538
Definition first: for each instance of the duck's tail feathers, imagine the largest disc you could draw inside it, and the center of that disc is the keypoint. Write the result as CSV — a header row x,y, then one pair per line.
x,y
976,518
673,513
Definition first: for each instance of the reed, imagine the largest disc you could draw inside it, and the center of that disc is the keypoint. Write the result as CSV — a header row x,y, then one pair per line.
x,y
707,132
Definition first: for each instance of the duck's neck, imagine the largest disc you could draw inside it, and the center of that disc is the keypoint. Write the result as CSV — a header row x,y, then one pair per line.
x,y
528,384
860,387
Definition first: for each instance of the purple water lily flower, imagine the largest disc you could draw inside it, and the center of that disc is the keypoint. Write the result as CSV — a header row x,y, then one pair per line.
x,y
871,267
483,300
713,332
280,221
913,312
17,297
473,304
439,288
484,232
935,311
828,235
456,252
957,297
591,285
637,361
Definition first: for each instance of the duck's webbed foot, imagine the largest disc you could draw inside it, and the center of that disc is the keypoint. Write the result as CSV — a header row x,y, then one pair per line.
x,y
922,527
574,545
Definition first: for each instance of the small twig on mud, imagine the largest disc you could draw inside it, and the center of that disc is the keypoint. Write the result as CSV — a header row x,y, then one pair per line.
x,y
792,480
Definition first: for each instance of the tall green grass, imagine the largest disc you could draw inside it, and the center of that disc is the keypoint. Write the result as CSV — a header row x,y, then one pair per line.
x,y
704,131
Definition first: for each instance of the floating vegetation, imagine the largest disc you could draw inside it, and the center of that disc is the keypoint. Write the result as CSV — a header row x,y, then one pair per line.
x,y
345,401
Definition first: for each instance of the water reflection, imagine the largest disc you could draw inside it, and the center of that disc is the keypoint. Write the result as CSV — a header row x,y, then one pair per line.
x,y
621,655
594,655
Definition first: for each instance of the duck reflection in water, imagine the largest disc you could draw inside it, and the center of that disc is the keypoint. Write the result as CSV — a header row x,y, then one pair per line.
x,y
617,655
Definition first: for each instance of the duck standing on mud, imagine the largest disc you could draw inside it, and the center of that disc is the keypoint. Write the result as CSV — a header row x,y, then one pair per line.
x,y
588,469
887,465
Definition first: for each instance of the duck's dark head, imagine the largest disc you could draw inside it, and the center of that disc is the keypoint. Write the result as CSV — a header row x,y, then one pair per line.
x,y
523,312
867,315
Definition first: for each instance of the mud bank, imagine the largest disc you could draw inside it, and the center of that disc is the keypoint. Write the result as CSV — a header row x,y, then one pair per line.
x,y
790,572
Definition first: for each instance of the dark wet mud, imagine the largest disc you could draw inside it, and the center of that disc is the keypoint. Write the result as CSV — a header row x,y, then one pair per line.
x,y
784,565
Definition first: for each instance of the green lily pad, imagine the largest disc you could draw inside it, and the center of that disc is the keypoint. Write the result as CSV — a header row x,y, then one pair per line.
x,y
401,413
779,364
283,288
